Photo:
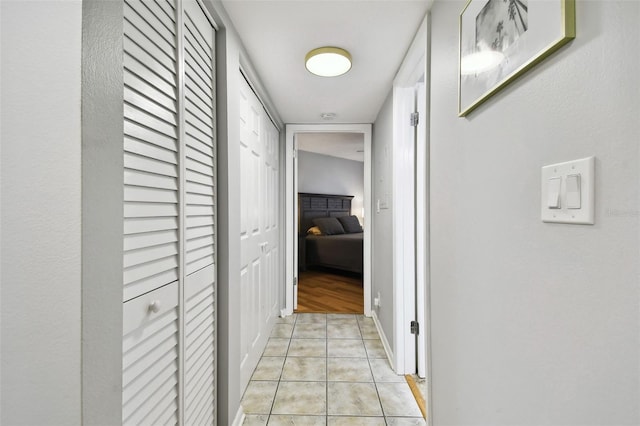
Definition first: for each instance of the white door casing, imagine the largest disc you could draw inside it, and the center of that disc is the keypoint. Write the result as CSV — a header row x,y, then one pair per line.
x,y
422,227
296,240
411,180
259,229
404,231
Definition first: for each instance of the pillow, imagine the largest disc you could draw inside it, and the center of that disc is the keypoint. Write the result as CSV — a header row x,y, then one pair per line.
x,y
351,224
314,230
329,225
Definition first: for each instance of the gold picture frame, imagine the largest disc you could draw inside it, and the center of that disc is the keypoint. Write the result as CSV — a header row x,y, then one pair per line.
x,y
502,39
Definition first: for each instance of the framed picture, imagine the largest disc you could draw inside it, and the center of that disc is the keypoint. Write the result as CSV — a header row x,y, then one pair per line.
x,y
502,39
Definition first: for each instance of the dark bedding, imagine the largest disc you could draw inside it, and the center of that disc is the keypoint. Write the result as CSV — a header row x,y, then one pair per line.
x,y
342,251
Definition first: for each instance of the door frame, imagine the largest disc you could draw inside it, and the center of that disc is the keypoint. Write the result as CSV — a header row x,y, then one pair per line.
x,y
412,194
291,206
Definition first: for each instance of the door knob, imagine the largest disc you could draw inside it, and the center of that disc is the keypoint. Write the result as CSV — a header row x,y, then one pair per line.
x,y
154,306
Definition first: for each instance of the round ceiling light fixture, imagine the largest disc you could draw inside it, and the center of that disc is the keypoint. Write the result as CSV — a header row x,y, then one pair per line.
x,y
328,61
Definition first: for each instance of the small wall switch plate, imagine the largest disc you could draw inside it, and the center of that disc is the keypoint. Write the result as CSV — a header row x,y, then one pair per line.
x,y
576,208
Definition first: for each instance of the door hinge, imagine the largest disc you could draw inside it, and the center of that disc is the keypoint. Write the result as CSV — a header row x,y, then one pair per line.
x,y
415,328
295,281
295,153
415,117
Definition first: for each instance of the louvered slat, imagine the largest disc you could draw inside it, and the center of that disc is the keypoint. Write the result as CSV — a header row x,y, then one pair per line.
x,y
143,225
168,8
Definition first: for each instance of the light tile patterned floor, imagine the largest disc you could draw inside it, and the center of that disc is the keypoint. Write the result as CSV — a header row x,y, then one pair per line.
x,y
327,369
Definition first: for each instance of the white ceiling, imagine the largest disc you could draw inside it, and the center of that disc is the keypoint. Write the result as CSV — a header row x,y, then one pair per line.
x,y
278,34
342,145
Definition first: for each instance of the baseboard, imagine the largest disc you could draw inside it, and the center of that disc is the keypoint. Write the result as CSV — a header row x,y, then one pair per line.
x,y
239,419
383,337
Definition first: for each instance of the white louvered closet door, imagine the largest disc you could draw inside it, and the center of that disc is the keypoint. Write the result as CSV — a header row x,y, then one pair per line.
x,y
150,392
169,214
199,288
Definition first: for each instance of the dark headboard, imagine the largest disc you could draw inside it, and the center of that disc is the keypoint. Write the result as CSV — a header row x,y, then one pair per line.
x,y
311,206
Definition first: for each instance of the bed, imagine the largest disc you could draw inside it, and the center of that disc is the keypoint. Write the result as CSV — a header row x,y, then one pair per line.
x,y
341,251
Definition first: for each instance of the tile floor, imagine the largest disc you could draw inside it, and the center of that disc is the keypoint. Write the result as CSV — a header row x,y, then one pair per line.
x,y
327,369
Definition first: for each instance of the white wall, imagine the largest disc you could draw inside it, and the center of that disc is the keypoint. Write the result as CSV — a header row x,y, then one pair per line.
x,y
382,276
324,174
41,212
534,323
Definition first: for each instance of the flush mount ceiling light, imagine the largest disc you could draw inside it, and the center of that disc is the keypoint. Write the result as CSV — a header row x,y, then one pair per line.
x,y
328,61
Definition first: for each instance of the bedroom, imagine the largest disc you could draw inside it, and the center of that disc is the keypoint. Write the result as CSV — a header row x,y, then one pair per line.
x,y
331,199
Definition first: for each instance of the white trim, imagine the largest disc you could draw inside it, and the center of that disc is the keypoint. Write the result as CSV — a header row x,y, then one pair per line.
x,y
254,88
181,114
410,266
404,256
291,206
422,228
239,418
255,83
296,239
415,65
383,338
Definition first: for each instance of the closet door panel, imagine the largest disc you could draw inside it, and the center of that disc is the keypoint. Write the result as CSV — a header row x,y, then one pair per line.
x,y
151,191
251,256
259,232
269,301
200,367
199,220
150,358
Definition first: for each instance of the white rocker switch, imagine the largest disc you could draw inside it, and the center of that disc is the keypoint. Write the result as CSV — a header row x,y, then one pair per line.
x,y
573,192
567,192
553,193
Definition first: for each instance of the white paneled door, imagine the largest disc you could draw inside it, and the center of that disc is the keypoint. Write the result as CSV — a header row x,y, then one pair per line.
x,y
260,251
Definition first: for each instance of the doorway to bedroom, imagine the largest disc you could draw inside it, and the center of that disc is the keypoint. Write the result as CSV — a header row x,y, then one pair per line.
x,y
330,181
328,193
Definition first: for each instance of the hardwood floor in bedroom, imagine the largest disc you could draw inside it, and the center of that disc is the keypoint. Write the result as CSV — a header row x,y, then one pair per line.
x,y
328,292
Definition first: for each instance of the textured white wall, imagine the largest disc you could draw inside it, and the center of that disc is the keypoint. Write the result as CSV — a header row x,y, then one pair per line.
x,y
323,174
534,323
382,277
41,212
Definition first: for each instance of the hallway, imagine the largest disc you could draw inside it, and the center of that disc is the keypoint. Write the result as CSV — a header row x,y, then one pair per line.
x,y
327,369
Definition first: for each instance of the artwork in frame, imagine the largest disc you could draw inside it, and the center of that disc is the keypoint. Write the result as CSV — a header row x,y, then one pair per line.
x,y
501,39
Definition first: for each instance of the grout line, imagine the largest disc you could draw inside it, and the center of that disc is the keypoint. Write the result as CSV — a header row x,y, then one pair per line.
x,y
281,372
417,394
373,377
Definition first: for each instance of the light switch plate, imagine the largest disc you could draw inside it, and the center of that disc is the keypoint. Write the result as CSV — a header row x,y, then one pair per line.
x,y
585,214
